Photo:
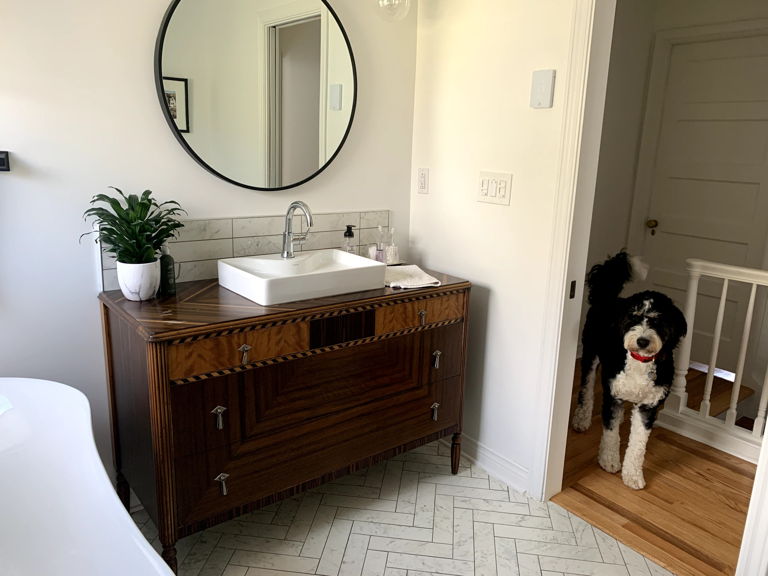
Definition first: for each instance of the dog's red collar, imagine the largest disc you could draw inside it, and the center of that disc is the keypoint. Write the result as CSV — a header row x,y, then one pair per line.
x,y
640,358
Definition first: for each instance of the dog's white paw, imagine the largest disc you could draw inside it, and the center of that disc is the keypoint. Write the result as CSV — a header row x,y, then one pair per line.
x,y
582,419
633,478
608,455
609,463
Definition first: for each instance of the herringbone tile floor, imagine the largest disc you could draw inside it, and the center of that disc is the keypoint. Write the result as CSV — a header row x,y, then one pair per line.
x,y
407,517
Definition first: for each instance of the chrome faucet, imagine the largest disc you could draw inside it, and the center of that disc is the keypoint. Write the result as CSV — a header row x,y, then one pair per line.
x,y
288,236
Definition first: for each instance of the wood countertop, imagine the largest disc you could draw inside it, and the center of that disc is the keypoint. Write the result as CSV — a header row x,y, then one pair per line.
x,y
201,305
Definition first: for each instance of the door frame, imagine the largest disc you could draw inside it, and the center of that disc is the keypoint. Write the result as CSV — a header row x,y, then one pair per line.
x,y
664,42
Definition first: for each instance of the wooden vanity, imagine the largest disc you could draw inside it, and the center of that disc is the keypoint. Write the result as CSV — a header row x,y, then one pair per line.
x,y
220,406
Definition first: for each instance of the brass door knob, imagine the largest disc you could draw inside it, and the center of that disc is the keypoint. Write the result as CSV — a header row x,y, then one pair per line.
x,y
652,224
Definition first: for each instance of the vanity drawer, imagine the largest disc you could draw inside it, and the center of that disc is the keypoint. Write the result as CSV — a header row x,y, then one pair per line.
x,y
307,454
443,352
195,357
419,312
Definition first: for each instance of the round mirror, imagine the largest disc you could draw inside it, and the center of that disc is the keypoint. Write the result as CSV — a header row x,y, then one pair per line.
x,y
260,92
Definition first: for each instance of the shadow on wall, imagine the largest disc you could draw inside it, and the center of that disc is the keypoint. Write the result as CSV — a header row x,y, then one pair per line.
x,y
475,373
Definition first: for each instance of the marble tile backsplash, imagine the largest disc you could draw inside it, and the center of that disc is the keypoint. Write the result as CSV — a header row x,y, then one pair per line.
x,y
202,242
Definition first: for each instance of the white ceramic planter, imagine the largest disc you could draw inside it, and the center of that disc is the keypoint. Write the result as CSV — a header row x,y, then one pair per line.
x,y
139,281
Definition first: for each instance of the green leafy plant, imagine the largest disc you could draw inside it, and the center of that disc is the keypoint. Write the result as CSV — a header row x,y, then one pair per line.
x,y
133,227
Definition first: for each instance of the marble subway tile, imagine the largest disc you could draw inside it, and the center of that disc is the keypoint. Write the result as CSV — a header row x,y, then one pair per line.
x,y
199,270
250,529
216,563
263,516
506,557
321,240
374,218
636,564
512,519
257,245
430,564
528,565
318,532
390,483
485,550
406,498
392,531
274,561
375,475
109,280
359,503
333,553
491,505
534,534
202,250
354,555
287,511
395,572
262,226
580,567
375,563
585,536
213,229
559,550
425,505
358,491
560,518
411,547
463,534
232,570
443,527
472,492
333,221
198,554
258,544
256,571
609,548
465,481
375,516
305,515
538,508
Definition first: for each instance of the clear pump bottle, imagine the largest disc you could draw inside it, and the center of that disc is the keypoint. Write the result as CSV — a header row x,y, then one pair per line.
x,y
348,245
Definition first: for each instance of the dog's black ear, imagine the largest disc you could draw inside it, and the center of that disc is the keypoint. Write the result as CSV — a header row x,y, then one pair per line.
x,y
678,324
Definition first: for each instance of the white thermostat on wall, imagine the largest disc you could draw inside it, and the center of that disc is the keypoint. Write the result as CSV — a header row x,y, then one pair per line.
x,y
542,88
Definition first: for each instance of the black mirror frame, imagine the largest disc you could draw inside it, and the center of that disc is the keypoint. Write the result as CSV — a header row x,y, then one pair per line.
x,y
159,43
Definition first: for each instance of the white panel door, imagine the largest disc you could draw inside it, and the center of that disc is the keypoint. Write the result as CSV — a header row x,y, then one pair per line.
x,y
708,180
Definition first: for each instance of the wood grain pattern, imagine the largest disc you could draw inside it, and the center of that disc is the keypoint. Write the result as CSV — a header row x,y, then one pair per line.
x,y
689,518
409,314
211,354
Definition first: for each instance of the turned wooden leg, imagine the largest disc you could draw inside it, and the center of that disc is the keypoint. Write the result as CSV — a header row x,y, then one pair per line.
x,y
169,555
455,452
123,491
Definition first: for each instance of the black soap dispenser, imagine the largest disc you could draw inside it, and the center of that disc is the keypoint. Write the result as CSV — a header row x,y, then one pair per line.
x,y
348,245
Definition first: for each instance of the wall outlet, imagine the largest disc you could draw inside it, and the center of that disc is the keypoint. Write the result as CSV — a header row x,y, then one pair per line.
x,y
422,180
495,188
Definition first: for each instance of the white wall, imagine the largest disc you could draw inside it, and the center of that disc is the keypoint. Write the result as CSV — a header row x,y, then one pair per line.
x,y
79,112
472,113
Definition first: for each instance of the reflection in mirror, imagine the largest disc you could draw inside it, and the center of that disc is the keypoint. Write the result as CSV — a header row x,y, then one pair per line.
x,y
269,87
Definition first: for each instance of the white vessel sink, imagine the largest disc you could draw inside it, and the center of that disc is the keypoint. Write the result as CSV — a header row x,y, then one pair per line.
x,y
272,279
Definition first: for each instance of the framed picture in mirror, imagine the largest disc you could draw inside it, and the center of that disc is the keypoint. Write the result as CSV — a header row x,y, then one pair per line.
x,y
177,100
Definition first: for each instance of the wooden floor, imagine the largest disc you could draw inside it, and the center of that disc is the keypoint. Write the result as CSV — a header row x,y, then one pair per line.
x,y
690,516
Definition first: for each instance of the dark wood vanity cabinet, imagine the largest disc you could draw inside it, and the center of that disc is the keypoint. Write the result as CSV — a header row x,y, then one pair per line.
x,y
220,405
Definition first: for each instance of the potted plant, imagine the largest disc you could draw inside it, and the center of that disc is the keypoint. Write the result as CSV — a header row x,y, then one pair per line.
x,y
134,228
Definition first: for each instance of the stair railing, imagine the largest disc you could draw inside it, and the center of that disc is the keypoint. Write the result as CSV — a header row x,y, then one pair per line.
x,y
699,424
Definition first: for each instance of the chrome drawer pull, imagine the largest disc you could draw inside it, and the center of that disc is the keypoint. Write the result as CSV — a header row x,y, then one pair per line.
x,y
434,407
244,349
436,354
223,479
422,317
218,412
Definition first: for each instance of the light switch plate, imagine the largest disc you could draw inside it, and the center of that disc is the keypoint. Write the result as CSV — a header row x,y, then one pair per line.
x,y
495,188
422,180
543,89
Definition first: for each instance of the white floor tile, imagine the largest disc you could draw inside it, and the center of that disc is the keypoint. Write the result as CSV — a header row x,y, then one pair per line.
x,y
333,553
430,564
506,557
485,550
425,505
318,532
274,561
392,531
463,534
411,547
443,527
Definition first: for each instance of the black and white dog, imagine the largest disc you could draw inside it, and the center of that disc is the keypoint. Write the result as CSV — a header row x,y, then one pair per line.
x,y
632,339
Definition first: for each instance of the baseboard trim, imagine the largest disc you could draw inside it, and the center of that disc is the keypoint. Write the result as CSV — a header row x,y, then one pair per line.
x,y
511,473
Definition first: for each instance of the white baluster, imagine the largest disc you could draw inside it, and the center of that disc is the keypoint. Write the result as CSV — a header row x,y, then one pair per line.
x,y
757,429
678,396
730,416
705,403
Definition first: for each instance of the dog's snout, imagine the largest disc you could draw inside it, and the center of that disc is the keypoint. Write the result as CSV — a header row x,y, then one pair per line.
x,y
643,342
